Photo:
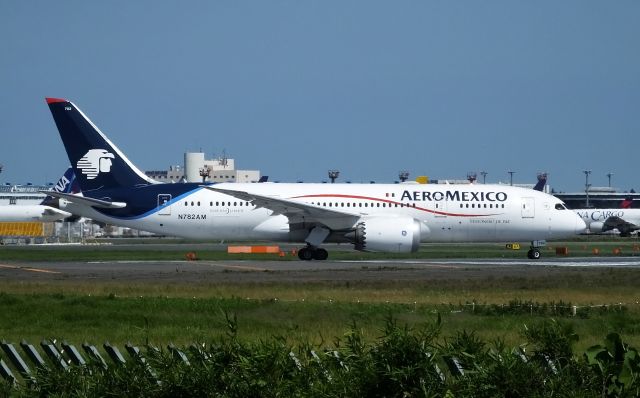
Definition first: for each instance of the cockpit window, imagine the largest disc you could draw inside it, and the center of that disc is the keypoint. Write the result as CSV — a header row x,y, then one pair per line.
x,y
560,206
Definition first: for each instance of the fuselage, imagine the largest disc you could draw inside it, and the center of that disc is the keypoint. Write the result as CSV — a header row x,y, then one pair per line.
x,y
446,213
27,213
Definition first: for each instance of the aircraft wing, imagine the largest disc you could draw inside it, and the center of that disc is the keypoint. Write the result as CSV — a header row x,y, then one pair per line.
x,y
83,200
294,211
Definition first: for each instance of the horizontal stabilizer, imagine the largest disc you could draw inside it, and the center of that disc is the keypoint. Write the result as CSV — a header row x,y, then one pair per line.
x,y
54,214
82,200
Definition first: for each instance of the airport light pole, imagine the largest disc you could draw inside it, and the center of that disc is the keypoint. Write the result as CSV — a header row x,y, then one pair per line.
x,y
333,175
608,176
586,184
205,173
484,176
511,177
472,177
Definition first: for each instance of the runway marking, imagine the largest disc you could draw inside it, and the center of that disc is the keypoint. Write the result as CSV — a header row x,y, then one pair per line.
x,y
46,271
586,262
196,263
240,267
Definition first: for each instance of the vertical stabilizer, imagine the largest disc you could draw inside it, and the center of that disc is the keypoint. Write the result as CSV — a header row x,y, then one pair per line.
x,y
96,161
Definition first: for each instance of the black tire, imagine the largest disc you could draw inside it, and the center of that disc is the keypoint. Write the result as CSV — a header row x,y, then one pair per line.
x,y
320,254
305,254
535,254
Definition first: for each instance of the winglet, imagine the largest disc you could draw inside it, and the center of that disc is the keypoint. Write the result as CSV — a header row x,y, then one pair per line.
x,y
54,100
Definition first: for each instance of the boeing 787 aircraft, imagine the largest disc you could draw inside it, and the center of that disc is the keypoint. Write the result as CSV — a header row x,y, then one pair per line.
x,y
373,217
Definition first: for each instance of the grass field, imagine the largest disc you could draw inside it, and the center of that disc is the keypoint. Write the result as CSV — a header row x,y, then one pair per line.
x,y
322,312
176,249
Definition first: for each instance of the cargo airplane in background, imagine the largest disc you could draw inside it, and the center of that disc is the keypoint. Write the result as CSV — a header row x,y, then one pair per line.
x,y
625,219
46,211
372,217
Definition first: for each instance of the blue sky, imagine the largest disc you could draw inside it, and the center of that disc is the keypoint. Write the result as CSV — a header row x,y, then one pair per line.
x,y
295,88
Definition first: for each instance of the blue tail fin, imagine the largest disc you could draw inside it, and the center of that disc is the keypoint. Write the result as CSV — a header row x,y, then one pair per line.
x,y
96,161
542,181
66,184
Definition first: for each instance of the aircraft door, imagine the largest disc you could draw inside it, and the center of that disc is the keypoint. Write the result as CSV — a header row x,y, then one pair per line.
x,y
164,209
528,208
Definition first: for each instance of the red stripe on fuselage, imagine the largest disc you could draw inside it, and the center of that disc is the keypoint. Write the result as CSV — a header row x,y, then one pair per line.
x,y
442,213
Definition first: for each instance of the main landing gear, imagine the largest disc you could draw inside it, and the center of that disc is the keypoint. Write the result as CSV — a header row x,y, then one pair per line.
x,y
312,253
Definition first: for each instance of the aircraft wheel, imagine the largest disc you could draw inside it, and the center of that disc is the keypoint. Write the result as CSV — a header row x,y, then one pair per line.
x,y
320,254
305,254
533,254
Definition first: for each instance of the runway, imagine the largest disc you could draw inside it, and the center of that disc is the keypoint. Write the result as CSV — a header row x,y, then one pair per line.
x,y
303,272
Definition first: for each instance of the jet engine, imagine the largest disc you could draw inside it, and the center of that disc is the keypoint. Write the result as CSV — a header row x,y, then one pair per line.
x,y
596,227
386,234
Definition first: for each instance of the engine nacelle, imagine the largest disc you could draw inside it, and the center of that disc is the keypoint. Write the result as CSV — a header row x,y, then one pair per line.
x,y
386,234
596,227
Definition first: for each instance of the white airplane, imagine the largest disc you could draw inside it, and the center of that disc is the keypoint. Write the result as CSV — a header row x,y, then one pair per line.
x,y
46,211
373,217
625,221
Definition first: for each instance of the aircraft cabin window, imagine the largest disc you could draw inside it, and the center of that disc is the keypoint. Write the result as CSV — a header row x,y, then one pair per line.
x,y
191,203
198,203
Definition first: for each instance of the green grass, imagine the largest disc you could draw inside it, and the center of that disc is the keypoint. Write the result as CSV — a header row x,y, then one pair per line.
x,y
184,320
161,312
164,250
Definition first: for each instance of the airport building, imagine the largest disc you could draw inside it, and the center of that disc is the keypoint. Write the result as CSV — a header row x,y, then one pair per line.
x,y
22,194
198,169
600,198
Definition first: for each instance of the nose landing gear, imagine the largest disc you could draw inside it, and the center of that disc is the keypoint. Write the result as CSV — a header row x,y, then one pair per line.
x,y
534,251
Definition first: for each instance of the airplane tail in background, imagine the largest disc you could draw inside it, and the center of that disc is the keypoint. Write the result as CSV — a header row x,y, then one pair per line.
x,y
96,161
542,181
626,203
66,184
